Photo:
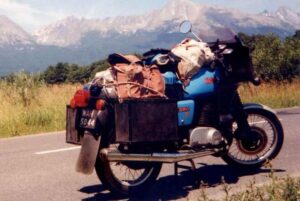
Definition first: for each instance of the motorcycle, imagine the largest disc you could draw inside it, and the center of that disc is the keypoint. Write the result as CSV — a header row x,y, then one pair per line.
x,y
128,142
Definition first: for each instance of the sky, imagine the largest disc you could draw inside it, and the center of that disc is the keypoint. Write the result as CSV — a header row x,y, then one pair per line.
x,y
33,14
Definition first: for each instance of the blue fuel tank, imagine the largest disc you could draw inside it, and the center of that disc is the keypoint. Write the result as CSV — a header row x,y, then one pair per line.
x,y
204,83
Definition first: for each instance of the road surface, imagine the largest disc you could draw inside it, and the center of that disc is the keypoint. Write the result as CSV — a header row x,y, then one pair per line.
x,y
42,167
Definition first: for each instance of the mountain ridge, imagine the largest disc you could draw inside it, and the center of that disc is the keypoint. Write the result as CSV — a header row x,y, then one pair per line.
x,y
82,41
65,34
13,34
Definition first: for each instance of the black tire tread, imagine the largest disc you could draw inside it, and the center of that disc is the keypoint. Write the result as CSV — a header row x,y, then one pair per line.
x,y
105,175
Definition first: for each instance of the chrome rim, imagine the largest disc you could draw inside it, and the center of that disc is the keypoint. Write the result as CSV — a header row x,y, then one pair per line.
x,y
261,149
131,173
128,176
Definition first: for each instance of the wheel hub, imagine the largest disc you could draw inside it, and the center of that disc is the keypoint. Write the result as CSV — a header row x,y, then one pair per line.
x,y
254,143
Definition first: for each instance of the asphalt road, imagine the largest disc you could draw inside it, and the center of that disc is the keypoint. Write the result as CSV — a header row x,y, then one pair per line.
x,y
42,167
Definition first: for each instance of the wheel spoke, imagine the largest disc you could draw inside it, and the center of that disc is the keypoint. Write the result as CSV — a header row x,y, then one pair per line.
x,y
254,151
130,174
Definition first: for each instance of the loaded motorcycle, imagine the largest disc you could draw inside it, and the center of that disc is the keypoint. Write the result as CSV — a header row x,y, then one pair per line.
x,y
128,141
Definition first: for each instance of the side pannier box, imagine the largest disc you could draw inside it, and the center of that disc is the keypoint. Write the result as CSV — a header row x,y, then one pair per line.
x,y
146,120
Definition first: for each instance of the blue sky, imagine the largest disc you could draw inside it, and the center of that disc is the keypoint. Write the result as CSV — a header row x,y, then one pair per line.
x,y
32,14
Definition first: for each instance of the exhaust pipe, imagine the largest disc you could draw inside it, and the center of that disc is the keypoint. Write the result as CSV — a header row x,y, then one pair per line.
x,y
157,157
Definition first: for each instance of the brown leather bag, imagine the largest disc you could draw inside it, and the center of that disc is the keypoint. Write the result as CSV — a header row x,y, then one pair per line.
x,y
133,80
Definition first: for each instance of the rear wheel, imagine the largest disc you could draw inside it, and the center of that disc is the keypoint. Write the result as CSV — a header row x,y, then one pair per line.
x,y
127,178
264,143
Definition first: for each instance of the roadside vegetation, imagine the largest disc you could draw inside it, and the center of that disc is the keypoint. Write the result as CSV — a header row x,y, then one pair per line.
x,y
287,189
28,105
277,189
273,94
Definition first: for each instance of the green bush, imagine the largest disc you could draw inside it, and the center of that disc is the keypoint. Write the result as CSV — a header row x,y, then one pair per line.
x,y
72,73
274,58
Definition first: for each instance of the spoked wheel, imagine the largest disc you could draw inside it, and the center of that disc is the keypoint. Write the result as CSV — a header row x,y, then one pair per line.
x,y
264,142
255,144
127,178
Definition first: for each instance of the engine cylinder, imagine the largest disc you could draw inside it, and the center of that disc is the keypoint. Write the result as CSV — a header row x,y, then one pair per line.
x,y
202,136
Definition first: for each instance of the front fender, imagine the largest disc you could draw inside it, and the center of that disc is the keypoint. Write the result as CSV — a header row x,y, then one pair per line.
x,y
258,106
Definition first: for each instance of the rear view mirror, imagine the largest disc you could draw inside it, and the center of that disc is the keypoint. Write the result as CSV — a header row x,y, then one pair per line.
x,y
185,26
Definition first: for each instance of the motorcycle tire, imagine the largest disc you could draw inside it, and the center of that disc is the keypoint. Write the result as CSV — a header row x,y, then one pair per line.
x,y
112,180
257,118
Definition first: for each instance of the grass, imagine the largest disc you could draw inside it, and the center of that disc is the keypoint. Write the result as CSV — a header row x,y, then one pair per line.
x,y
274,95
27,105
284,189
277,189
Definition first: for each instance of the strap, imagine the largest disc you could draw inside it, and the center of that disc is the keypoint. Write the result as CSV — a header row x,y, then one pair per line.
x,y
137,84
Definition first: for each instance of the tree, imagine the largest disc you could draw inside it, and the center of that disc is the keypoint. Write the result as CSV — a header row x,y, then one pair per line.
x,y
290,66
274,58
267,57
297,34
56,74
73,73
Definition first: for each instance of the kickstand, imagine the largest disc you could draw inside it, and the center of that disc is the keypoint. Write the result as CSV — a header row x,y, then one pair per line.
x,y
192,167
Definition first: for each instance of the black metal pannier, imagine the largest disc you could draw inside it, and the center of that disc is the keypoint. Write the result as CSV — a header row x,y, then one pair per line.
x,y
146,120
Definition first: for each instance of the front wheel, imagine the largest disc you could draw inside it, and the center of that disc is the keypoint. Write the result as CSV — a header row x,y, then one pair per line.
x,y
264,143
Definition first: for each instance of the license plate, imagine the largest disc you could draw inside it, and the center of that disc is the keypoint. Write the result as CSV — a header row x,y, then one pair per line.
x,y
88,118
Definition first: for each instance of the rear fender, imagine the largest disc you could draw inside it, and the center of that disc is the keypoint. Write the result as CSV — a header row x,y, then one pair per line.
x,y
88,153
90,145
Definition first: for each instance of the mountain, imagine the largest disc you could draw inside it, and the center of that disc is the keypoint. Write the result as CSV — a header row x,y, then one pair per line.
x,y
289,16
83,41
12,34
70,31
66,32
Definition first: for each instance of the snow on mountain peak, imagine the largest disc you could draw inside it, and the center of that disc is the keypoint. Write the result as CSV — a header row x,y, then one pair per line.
x,y
65,32
71,30
12,34
289,16
185,9
266,13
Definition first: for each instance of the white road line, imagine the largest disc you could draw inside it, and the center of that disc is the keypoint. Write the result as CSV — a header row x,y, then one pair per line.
x,y
57,150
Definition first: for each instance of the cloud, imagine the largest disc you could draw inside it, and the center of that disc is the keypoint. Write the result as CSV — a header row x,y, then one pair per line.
x,y
30,18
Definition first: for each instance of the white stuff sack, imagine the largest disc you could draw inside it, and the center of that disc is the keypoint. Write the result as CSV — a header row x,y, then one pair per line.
x,y
104,78
193,56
